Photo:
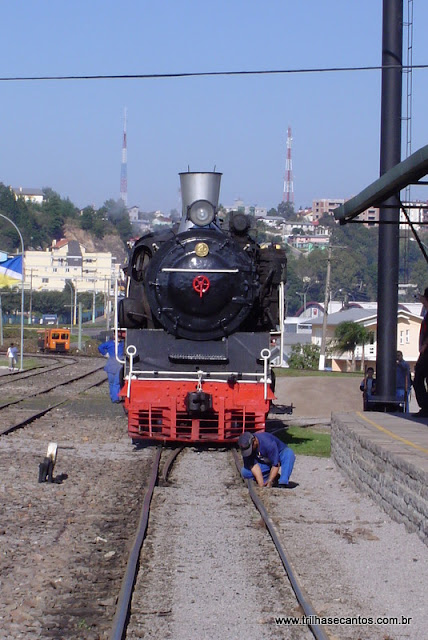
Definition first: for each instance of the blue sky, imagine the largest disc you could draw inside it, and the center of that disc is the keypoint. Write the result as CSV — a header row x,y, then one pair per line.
x,y
68,134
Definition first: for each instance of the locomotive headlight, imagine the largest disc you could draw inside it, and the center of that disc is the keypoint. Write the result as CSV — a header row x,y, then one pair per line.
x,y
201,213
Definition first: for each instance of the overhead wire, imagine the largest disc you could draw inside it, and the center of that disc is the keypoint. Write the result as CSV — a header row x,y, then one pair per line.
x,y
199,74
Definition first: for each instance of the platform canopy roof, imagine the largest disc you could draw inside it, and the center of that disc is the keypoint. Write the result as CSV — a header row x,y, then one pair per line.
x,y
409,171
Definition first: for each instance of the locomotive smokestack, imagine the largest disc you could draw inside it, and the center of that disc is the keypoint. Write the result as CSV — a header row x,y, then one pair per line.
x,y
197,189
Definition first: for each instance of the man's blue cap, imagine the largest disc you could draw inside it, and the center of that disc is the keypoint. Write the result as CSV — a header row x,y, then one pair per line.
x,y
245,442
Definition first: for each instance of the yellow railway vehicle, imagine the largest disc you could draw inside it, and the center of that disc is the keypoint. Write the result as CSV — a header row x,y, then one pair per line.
x,y
54,340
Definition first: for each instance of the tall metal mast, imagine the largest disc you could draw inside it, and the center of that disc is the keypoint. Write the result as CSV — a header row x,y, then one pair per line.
x,y
288,193
124,166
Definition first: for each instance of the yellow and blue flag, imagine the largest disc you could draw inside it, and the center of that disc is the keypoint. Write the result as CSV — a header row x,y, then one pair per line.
x,y
11,272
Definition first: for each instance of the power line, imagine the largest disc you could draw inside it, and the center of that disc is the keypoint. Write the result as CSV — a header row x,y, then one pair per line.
x,y
199,74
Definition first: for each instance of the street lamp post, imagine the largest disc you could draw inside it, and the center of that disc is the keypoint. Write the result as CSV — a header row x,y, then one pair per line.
x,y
21,363
71,305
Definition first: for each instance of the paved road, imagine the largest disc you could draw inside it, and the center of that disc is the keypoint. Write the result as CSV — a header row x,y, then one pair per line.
x,y
318,397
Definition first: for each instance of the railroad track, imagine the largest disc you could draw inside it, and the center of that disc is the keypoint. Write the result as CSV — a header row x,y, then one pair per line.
x,y
124,602
167,598
64,544
58,363
302,598
25,406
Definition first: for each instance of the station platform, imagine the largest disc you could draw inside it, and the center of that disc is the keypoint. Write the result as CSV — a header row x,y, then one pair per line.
x,y
385,455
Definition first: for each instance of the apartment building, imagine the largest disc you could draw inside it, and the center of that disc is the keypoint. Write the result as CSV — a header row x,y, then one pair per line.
x,y
325,206
68,260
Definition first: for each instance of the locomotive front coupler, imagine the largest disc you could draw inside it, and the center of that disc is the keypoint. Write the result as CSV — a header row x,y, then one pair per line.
x,y
198,402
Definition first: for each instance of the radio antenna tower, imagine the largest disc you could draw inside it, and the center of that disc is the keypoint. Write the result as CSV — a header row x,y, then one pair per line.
x,y
288,194
124,166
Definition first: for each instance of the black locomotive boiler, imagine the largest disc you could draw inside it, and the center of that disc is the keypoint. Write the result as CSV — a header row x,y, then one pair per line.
x,y
200,302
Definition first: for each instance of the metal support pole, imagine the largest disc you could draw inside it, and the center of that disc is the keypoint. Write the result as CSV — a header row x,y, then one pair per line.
x,y
390,154
93,304
79,339
321,365
108,305
281,294
31,298
75,305
71,304
21,362
1,323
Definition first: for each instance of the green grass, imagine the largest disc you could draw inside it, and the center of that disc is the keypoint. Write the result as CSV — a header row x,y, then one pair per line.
x,y
28,362
306,442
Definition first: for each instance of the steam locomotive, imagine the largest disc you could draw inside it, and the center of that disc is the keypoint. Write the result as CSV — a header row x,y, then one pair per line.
x,y
200,302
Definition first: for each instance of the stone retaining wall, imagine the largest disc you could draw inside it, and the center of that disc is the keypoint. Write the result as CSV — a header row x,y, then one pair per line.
x,y
393,482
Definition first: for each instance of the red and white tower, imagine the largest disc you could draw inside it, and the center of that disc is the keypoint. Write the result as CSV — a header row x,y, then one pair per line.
x,y
124,166
288,194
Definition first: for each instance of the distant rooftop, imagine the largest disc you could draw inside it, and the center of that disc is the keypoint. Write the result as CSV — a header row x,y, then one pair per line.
x,y
354,314
25,191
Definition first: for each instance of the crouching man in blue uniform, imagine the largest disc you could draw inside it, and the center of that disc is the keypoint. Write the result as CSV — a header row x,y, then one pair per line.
x,y
265,458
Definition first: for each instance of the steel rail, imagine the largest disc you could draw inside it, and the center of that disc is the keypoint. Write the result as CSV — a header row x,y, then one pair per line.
x,y
123,605
6,378
56,386
316,629
121,617
169,462
42,412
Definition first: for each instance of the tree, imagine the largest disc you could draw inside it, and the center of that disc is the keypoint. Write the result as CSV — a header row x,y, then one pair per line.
x,y
53,218
304,356
87,219
286,210
124,227
347,336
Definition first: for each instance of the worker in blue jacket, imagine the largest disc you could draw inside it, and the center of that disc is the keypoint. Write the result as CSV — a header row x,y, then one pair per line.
x,y
266,459
113,367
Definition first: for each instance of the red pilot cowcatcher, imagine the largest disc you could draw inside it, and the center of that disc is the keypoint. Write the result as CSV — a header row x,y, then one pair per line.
x,y
201,284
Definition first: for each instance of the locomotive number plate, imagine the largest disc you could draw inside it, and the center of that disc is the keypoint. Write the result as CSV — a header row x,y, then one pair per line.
x,y
201,249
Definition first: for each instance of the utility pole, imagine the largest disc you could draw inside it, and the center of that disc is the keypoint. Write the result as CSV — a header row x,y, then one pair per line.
x,y
79,335
75,305
321,364
31,297
93,304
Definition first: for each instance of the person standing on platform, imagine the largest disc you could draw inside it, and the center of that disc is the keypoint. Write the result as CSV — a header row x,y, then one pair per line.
x,y
421,367
404,380
368,387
